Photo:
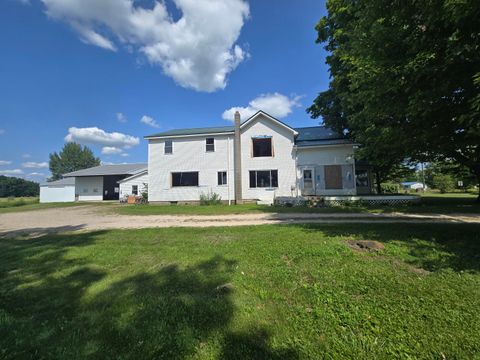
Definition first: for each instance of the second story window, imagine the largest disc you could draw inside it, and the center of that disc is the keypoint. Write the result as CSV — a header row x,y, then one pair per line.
x,y
262,147
210,144
168,147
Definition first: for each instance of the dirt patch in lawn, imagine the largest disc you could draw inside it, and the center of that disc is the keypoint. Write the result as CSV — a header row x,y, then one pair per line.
x,y
365,245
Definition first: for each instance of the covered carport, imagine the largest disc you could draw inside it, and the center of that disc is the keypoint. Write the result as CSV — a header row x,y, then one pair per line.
x,y
101,182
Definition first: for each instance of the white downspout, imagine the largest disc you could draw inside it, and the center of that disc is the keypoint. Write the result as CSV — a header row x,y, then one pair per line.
x,y
296,171
228,171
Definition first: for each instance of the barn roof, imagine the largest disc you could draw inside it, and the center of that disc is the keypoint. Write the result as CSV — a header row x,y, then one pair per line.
x,y
103,170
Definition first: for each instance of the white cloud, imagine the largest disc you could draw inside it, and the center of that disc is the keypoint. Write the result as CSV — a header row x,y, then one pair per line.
x,y
124,154
2,131
26,156
11,172
149,121
89,36
35,165
121,117
5,162
36,174
198,50
96,136
111,150
275,104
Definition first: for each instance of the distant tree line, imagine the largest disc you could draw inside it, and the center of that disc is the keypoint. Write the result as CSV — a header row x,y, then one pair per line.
x,y
16,187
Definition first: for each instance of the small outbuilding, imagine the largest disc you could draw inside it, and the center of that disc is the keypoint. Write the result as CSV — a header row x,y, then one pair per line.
x,y
134,185
102,182
62,190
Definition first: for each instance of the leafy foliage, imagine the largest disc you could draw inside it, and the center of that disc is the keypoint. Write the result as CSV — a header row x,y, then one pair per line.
x,y
72,157
405,79
145,192
16,187
451,168
390,188
210,198
443,182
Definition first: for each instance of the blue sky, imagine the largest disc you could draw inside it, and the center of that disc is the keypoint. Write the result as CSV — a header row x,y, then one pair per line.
x,y
106,75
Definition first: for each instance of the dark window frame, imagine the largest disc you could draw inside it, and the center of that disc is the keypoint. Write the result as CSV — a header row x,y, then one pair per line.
x,y
169,147
273,179
257,151
183,181
210,147
134,189
222,178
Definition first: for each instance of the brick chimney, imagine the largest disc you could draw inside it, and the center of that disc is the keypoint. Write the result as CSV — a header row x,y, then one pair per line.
x,y
237,160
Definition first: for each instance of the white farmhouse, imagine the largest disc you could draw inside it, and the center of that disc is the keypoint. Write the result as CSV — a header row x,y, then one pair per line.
x,y
257,160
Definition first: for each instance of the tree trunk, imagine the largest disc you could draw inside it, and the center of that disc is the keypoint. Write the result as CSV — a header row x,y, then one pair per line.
x,y
378,181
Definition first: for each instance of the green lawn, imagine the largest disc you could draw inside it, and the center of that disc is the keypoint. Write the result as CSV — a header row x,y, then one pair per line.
x,y
431,203
298,292
8,205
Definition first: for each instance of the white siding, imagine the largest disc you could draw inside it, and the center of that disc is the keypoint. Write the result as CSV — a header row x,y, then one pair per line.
x,y
283,159
189,154
89,188
64,193
318,157
126,187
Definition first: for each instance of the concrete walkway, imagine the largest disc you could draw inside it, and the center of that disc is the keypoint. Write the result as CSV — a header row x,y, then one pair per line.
x,y
89,217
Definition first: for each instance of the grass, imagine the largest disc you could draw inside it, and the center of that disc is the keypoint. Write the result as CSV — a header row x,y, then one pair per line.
x,y
298,292
8,205
431,203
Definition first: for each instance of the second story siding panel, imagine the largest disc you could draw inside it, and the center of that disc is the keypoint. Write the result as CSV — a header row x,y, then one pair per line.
x,y
283,158
189,154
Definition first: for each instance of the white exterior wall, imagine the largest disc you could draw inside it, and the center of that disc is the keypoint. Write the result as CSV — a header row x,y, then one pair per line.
x,y
189,154
89,188
59,193
126,187
317,157
283,159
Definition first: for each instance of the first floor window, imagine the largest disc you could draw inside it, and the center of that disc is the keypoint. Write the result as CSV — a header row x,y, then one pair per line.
x,y
168,147
134,189
263,178
222,178
185,178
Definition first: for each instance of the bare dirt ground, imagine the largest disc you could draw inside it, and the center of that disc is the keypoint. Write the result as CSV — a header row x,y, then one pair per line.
x,y
90,217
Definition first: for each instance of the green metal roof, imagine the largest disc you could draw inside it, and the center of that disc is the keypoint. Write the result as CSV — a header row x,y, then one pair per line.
x,y
194,131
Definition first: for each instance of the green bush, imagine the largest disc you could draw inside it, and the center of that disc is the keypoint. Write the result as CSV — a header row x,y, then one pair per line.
x,y
145,192
390,188
444,183
210,198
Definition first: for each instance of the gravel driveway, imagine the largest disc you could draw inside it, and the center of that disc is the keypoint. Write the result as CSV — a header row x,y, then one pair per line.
x,y
90,217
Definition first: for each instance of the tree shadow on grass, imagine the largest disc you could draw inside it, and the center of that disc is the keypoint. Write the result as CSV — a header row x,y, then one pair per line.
x,y
429,246
55,305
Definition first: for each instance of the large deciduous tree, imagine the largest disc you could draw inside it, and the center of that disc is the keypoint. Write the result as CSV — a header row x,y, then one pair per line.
x,y
405,78
72,157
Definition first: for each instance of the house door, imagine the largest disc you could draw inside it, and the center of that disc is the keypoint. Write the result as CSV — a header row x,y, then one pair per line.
x,y
308,185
